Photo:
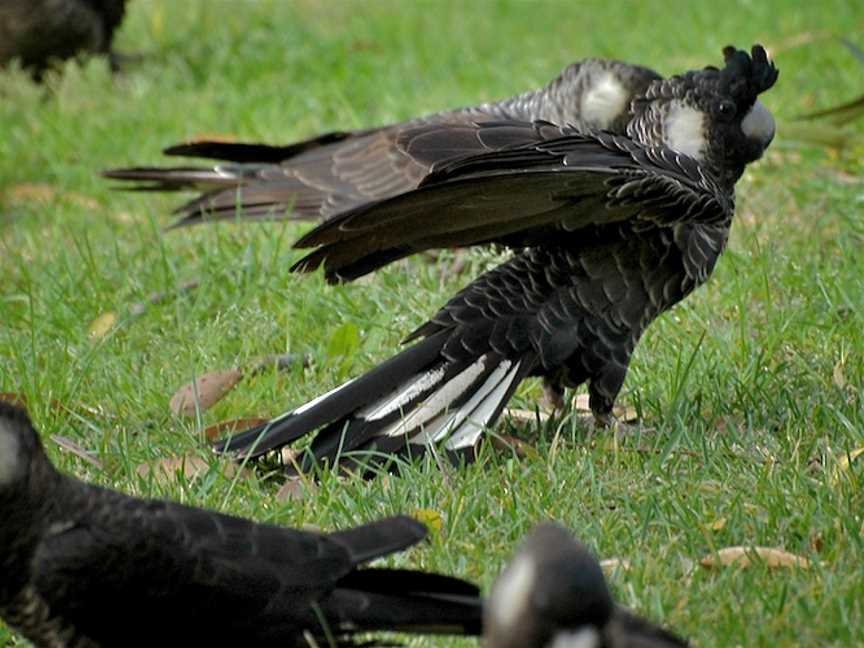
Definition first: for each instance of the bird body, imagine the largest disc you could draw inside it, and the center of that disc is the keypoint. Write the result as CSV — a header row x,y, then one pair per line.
x,y
87,566
329,173
609,231
553,594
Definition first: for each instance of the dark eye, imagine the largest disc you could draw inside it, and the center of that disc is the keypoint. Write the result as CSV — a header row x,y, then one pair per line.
x,y
726,109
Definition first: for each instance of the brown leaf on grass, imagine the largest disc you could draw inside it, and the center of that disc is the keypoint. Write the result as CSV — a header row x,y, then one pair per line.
x,y
225,428
39,192
100,326
526,416
204,392
717,524
845,462
31,192
522,449
741,556
211,387
612,565
580,403
289,456
190,467
838,377
70,446
14,398
624,413
296,489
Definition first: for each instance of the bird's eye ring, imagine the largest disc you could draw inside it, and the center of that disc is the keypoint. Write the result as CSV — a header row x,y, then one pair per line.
x,y
726,109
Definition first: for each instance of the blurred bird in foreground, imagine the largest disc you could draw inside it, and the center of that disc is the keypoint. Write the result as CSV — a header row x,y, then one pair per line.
x,y
86,566
553,595
40,33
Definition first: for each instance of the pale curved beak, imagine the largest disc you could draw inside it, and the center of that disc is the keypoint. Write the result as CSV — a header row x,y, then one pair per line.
x,y
758,124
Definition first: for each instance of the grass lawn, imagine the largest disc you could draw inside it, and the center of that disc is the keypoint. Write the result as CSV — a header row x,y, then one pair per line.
x,y
749,393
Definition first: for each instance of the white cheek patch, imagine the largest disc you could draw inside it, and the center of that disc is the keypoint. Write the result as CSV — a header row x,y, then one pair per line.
x,y
10,461
514,591
758,124
684,131
584,638
604,101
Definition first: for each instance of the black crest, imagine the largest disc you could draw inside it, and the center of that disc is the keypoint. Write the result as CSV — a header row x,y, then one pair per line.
x,y
747,75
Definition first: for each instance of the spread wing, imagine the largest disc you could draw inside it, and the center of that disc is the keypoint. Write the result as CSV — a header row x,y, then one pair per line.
x,y
525,184
336,171
312,179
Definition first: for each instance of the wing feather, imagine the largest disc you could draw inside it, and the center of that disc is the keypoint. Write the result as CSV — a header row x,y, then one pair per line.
x,y
519,194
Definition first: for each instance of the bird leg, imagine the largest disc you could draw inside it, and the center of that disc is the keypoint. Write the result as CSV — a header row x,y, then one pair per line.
x,y
602,392
553,395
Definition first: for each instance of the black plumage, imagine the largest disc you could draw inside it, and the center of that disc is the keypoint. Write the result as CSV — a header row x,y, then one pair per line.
x,y
336,171
86,566
609,232
40,33
553,595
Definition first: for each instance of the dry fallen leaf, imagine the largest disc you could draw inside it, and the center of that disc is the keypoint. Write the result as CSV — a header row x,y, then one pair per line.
x,y
204,392
40,192
70,446
526,416
838,377
580,403
31,192
189,466
846,461
225,428
295,489
100,326
430,518
741,556
611,565
717,524
14,398
522,449
624,413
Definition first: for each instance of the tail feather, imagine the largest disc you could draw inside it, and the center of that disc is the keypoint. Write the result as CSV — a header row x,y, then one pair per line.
x,y
336,404
397,599
380,538
411,601
415,399
184,178
252,152
398,612
409,581
405,409
281,194
458,406
471,417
